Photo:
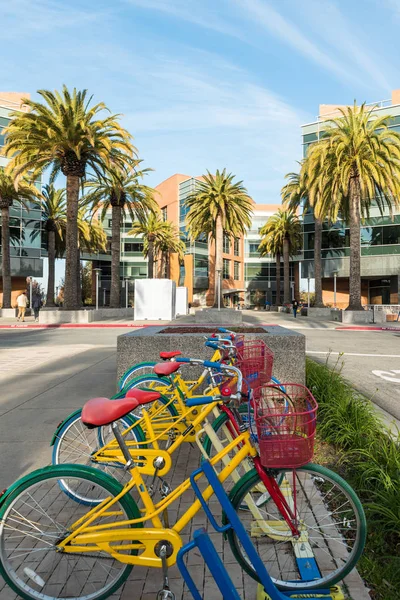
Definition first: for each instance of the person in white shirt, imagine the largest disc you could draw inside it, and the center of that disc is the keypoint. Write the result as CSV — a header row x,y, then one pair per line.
x,y
22,303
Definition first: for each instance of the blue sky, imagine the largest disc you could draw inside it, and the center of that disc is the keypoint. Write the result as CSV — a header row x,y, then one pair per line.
x,y
206,84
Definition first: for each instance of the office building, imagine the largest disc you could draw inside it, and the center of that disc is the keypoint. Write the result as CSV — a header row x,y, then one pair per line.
x,y
25,225
380,234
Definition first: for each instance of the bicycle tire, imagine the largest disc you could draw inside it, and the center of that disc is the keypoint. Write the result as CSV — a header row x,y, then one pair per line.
x,y
317,474
124,379
34,565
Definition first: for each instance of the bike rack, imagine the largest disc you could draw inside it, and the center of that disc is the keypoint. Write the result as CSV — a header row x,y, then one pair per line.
x,y
201,540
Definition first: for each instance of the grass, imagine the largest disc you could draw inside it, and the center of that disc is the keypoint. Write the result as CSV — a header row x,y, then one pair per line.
x,y
353,440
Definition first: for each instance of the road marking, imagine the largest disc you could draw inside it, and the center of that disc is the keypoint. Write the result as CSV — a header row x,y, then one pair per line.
x,y
388,375
354,354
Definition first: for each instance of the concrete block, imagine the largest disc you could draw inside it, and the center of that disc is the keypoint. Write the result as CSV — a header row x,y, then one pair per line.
x,y
49,316
318,312
145,344
223,317
357,316
8,313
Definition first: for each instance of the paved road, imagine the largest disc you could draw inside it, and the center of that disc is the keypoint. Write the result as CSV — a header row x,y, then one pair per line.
x,y
45,375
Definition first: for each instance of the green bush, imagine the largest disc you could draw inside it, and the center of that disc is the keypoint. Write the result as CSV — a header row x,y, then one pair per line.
x,y
371,461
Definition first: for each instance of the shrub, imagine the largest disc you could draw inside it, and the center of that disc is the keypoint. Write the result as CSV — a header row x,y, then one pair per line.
x,y
371,460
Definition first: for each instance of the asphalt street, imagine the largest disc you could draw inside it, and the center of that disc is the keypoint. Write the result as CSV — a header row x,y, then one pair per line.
x,y
46,374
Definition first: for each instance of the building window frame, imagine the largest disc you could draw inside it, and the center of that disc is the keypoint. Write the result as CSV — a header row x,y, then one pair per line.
x,y
226,268
236,247
236,270
226,244
164,214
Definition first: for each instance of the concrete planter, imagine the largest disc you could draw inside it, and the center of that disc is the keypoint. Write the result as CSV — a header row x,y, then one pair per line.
x,y
360,317
336,314
49,317
222,317
146,344
10,313
315,311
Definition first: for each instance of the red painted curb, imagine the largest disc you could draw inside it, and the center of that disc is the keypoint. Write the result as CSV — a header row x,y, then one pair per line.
x,y
366,328
72,326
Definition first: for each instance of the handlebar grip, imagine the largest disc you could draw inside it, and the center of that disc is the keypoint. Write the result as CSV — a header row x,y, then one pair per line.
x,y
199,400
212,345
212,365
223,330
183,360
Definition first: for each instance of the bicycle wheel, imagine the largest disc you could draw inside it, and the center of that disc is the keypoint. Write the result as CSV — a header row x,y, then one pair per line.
x,y
36,515
155,384
331,522
143,368
75,444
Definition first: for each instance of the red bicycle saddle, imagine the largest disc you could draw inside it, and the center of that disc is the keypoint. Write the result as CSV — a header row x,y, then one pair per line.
x,y
166,368
168,355
103,411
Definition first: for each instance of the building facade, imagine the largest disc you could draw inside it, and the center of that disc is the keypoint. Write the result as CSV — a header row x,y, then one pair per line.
x,y
380,234
25,223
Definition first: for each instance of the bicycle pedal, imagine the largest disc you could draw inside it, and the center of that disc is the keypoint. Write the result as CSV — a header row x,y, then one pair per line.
x,y
165,489
165,594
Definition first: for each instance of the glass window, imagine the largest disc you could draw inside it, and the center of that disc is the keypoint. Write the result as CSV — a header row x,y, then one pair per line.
x,y
201,267
237,270
391,234
309,241
133,247
309,137
164,213
371,236
227,244
110,223
336,238
236,247
226,272
253,248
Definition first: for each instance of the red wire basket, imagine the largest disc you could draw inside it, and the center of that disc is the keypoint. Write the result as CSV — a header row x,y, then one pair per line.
x,y
285,418
255,360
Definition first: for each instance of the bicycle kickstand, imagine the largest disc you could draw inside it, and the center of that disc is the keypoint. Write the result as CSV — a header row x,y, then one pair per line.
x,y
165,593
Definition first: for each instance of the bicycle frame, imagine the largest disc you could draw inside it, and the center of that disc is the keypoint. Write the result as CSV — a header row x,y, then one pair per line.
x,y
86,537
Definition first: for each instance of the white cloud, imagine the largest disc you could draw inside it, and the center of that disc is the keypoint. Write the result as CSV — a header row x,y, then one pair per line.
x,y
268,18
191,11
328,21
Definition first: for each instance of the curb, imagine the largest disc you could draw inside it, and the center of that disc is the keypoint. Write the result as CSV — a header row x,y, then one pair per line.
x,y
366,328
72,326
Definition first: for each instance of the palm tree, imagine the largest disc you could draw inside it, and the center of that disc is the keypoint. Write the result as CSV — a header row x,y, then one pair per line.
x,y
25,194
294,193
356,161
271,245
154,231
54,216
169,244
65,133
282,233
121,190
219,205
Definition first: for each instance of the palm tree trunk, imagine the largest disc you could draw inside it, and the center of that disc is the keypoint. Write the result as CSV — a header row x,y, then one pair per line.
x,y
78,278
286,273
5,255
71,238
167,265
51,251
150,258
115,294
318,263
355,250
218,267
278,278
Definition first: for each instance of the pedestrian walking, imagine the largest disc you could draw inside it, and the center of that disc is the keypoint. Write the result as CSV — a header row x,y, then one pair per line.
x,y
36,305
295,306
22,303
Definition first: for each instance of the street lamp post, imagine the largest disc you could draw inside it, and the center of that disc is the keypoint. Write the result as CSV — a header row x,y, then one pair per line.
x,y
219,287
126,292
308,292
97,271
30,293
334,287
